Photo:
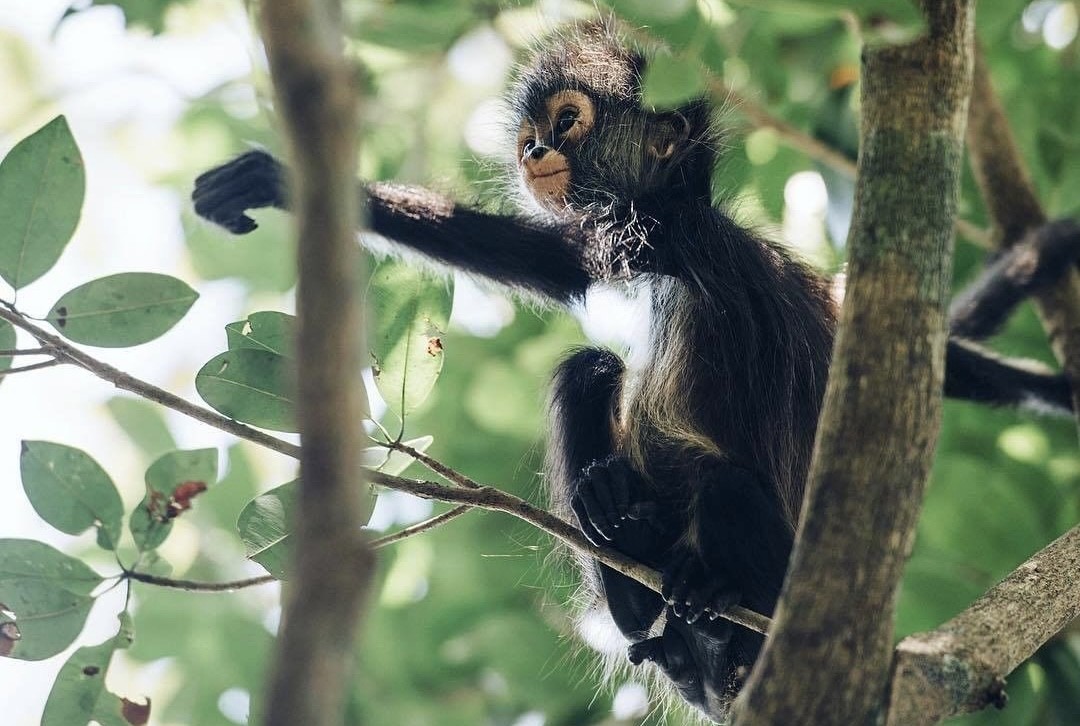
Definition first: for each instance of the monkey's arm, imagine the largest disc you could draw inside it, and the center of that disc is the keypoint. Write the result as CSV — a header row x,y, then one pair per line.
x,y
541,259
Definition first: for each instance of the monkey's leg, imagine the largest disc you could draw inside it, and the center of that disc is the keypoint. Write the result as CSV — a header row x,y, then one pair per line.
x,y
607,498
738,550
982,307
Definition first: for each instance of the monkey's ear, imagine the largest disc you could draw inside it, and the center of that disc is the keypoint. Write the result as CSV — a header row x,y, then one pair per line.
x,y
670,131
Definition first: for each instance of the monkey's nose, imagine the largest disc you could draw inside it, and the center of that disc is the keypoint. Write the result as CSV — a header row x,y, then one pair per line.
x,y
537,152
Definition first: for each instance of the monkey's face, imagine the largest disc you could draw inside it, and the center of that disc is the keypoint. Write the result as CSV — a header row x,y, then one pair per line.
x,y
547,142
578,151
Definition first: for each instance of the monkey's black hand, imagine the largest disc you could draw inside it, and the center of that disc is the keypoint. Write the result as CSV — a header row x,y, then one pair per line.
x,y
252,180
693,589
615,507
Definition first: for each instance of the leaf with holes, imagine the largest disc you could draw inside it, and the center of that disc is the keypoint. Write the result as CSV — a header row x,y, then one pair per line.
x,y
71,491
264,330
172,483
121,310
253,386
410,311
45,596
79,696
41,194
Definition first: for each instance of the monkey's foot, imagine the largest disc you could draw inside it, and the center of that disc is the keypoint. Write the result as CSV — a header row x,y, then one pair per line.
x,y
615,507
693,590
250,181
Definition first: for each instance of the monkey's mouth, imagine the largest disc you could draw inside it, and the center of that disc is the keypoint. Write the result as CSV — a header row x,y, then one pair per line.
x,y
554,172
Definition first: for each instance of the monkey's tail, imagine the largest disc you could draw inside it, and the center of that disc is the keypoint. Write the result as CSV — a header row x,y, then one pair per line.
x,y
976,374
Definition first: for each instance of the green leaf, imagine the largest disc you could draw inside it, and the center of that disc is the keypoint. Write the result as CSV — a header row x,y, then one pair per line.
x,y
71,491
79,695
7,342
265,525
410,311
121,310
672,80
48,593
149,14
41,195
253,386
266,330
143,422
172,482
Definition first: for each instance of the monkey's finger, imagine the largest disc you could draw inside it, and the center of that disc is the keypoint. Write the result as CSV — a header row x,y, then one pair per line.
x,y
603,486
642,510
678,579
620,474
585,524
594,511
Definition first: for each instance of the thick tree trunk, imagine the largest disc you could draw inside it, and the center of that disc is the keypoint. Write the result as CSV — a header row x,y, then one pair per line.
x,y
828,655
332,565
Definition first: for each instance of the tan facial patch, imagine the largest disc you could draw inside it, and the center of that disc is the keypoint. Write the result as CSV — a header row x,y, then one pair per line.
x,y
570,102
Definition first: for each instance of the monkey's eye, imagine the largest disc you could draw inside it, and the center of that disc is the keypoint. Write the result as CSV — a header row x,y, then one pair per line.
x,y
566,121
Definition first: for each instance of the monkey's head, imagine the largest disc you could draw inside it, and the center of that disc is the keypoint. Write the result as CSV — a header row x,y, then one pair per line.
x,y
585,140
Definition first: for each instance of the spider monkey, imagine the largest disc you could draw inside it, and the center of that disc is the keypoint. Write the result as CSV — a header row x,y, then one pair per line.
x,y
695,463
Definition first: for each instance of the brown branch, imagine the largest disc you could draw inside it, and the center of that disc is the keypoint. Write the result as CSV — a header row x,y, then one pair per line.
x,y
827,658
196,586
31,367
333,564
1016,211
494,499
435,465
420,527
25,351
67,353
960,666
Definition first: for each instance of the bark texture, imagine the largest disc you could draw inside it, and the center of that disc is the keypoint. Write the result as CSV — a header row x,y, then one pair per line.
x,y
332,563
828,655
960,666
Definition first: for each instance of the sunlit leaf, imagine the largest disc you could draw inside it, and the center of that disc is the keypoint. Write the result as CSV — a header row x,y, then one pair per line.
x,y
266,330
71,491
249,385
265,526
48,593
672,80
79,695
121,310
410,311
41,194
172,483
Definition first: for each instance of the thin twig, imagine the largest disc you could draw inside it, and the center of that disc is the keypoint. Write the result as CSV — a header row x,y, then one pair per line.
x,y
25,351
195,586
436,466
68,353
31,367
420,527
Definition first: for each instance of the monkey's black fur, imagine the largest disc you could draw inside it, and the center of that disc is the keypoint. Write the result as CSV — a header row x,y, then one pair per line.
x,y
695,463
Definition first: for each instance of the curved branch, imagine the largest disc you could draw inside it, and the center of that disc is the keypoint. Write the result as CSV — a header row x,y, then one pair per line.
x,y
64,352
494,499
960,666
196,586
420,527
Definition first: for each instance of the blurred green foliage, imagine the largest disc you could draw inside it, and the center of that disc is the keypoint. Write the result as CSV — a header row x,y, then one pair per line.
x,y
470,624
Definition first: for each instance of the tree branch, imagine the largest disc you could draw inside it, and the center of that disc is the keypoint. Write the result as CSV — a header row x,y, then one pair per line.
x,y
420,527
332,561
827,658
960,666
196,586
497,500
31,367
67,353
